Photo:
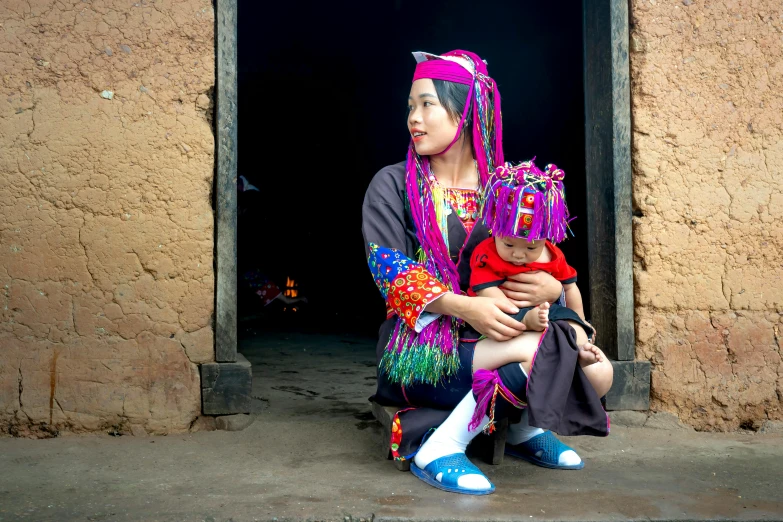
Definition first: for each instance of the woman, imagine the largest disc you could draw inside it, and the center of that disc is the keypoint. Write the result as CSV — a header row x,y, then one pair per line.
x,y
420,227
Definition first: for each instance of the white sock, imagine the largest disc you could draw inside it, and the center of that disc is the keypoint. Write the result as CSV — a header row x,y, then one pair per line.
x,y
451,437
523,432
569,458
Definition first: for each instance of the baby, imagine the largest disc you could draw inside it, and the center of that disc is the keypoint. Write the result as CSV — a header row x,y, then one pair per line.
x,y
526,214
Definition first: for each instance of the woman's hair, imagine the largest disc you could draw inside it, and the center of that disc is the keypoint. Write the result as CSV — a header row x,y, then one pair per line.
x,y
453,96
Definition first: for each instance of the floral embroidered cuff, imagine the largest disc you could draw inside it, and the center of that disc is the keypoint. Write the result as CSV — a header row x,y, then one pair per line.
x,y
406,285
411,291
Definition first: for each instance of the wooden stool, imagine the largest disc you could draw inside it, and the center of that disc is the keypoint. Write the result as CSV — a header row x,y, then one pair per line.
x,y
489,448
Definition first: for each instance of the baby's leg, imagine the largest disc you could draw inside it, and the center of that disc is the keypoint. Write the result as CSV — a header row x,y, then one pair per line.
x,y
491,355
594,363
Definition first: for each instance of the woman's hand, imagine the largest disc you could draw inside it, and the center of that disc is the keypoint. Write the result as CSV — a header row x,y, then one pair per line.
x,y
489,316
532,288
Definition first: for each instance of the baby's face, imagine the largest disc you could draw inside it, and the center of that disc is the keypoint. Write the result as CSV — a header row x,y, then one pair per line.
x,y
518,250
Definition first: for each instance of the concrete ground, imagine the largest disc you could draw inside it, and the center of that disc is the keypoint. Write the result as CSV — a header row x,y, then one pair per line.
x,y
312,454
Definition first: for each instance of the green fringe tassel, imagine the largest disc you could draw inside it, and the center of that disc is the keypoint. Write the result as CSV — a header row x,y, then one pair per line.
x,y
412,358
427,364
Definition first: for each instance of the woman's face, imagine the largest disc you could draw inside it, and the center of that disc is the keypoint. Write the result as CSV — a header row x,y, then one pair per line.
x,y
432,128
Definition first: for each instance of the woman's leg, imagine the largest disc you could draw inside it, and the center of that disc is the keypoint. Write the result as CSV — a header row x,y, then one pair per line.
x,y
453,436
491,355
522,438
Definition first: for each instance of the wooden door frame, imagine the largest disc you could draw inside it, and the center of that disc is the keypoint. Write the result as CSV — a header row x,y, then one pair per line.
x,y
607,87
608,172
226,181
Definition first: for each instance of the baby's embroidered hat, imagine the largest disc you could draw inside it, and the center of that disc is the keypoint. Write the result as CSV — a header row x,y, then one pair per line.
x,y
526,202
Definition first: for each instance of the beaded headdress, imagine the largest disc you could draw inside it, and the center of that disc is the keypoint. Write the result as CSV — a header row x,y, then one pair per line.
x,y
524,201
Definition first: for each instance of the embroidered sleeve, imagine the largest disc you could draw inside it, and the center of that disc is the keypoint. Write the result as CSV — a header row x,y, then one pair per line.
x,y
406,285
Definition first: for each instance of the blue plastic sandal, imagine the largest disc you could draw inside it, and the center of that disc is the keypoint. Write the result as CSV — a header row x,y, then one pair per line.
x,y
452,468
542,450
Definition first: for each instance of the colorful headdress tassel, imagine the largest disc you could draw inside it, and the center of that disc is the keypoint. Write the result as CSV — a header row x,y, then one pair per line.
x,y
431,355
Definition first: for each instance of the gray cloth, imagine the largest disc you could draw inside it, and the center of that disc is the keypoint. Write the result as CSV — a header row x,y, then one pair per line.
x,y
559,396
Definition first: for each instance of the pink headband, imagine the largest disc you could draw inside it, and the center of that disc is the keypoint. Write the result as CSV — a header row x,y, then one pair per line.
x,y
438,68
443,70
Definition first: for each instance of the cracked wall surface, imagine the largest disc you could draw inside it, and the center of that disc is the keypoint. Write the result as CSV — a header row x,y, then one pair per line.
x,y
707,90
106,224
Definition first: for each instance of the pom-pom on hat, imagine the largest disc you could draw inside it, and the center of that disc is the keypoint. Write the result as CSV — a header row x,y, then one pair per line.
x,y
524,201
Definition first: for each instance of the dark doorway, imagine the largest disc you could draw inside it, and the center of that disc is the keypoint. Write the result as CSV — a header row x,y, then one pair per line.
x,y
322,97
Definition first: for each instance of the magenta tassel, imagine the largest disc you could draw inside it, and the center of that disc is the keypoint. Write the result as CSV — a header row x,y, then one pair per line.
x,y
410,356
540,218
484,383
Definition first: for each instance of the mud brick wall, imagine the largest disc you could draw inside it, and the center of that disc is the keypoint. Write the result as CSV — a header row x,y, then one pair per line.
x,y
707,89
106,223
